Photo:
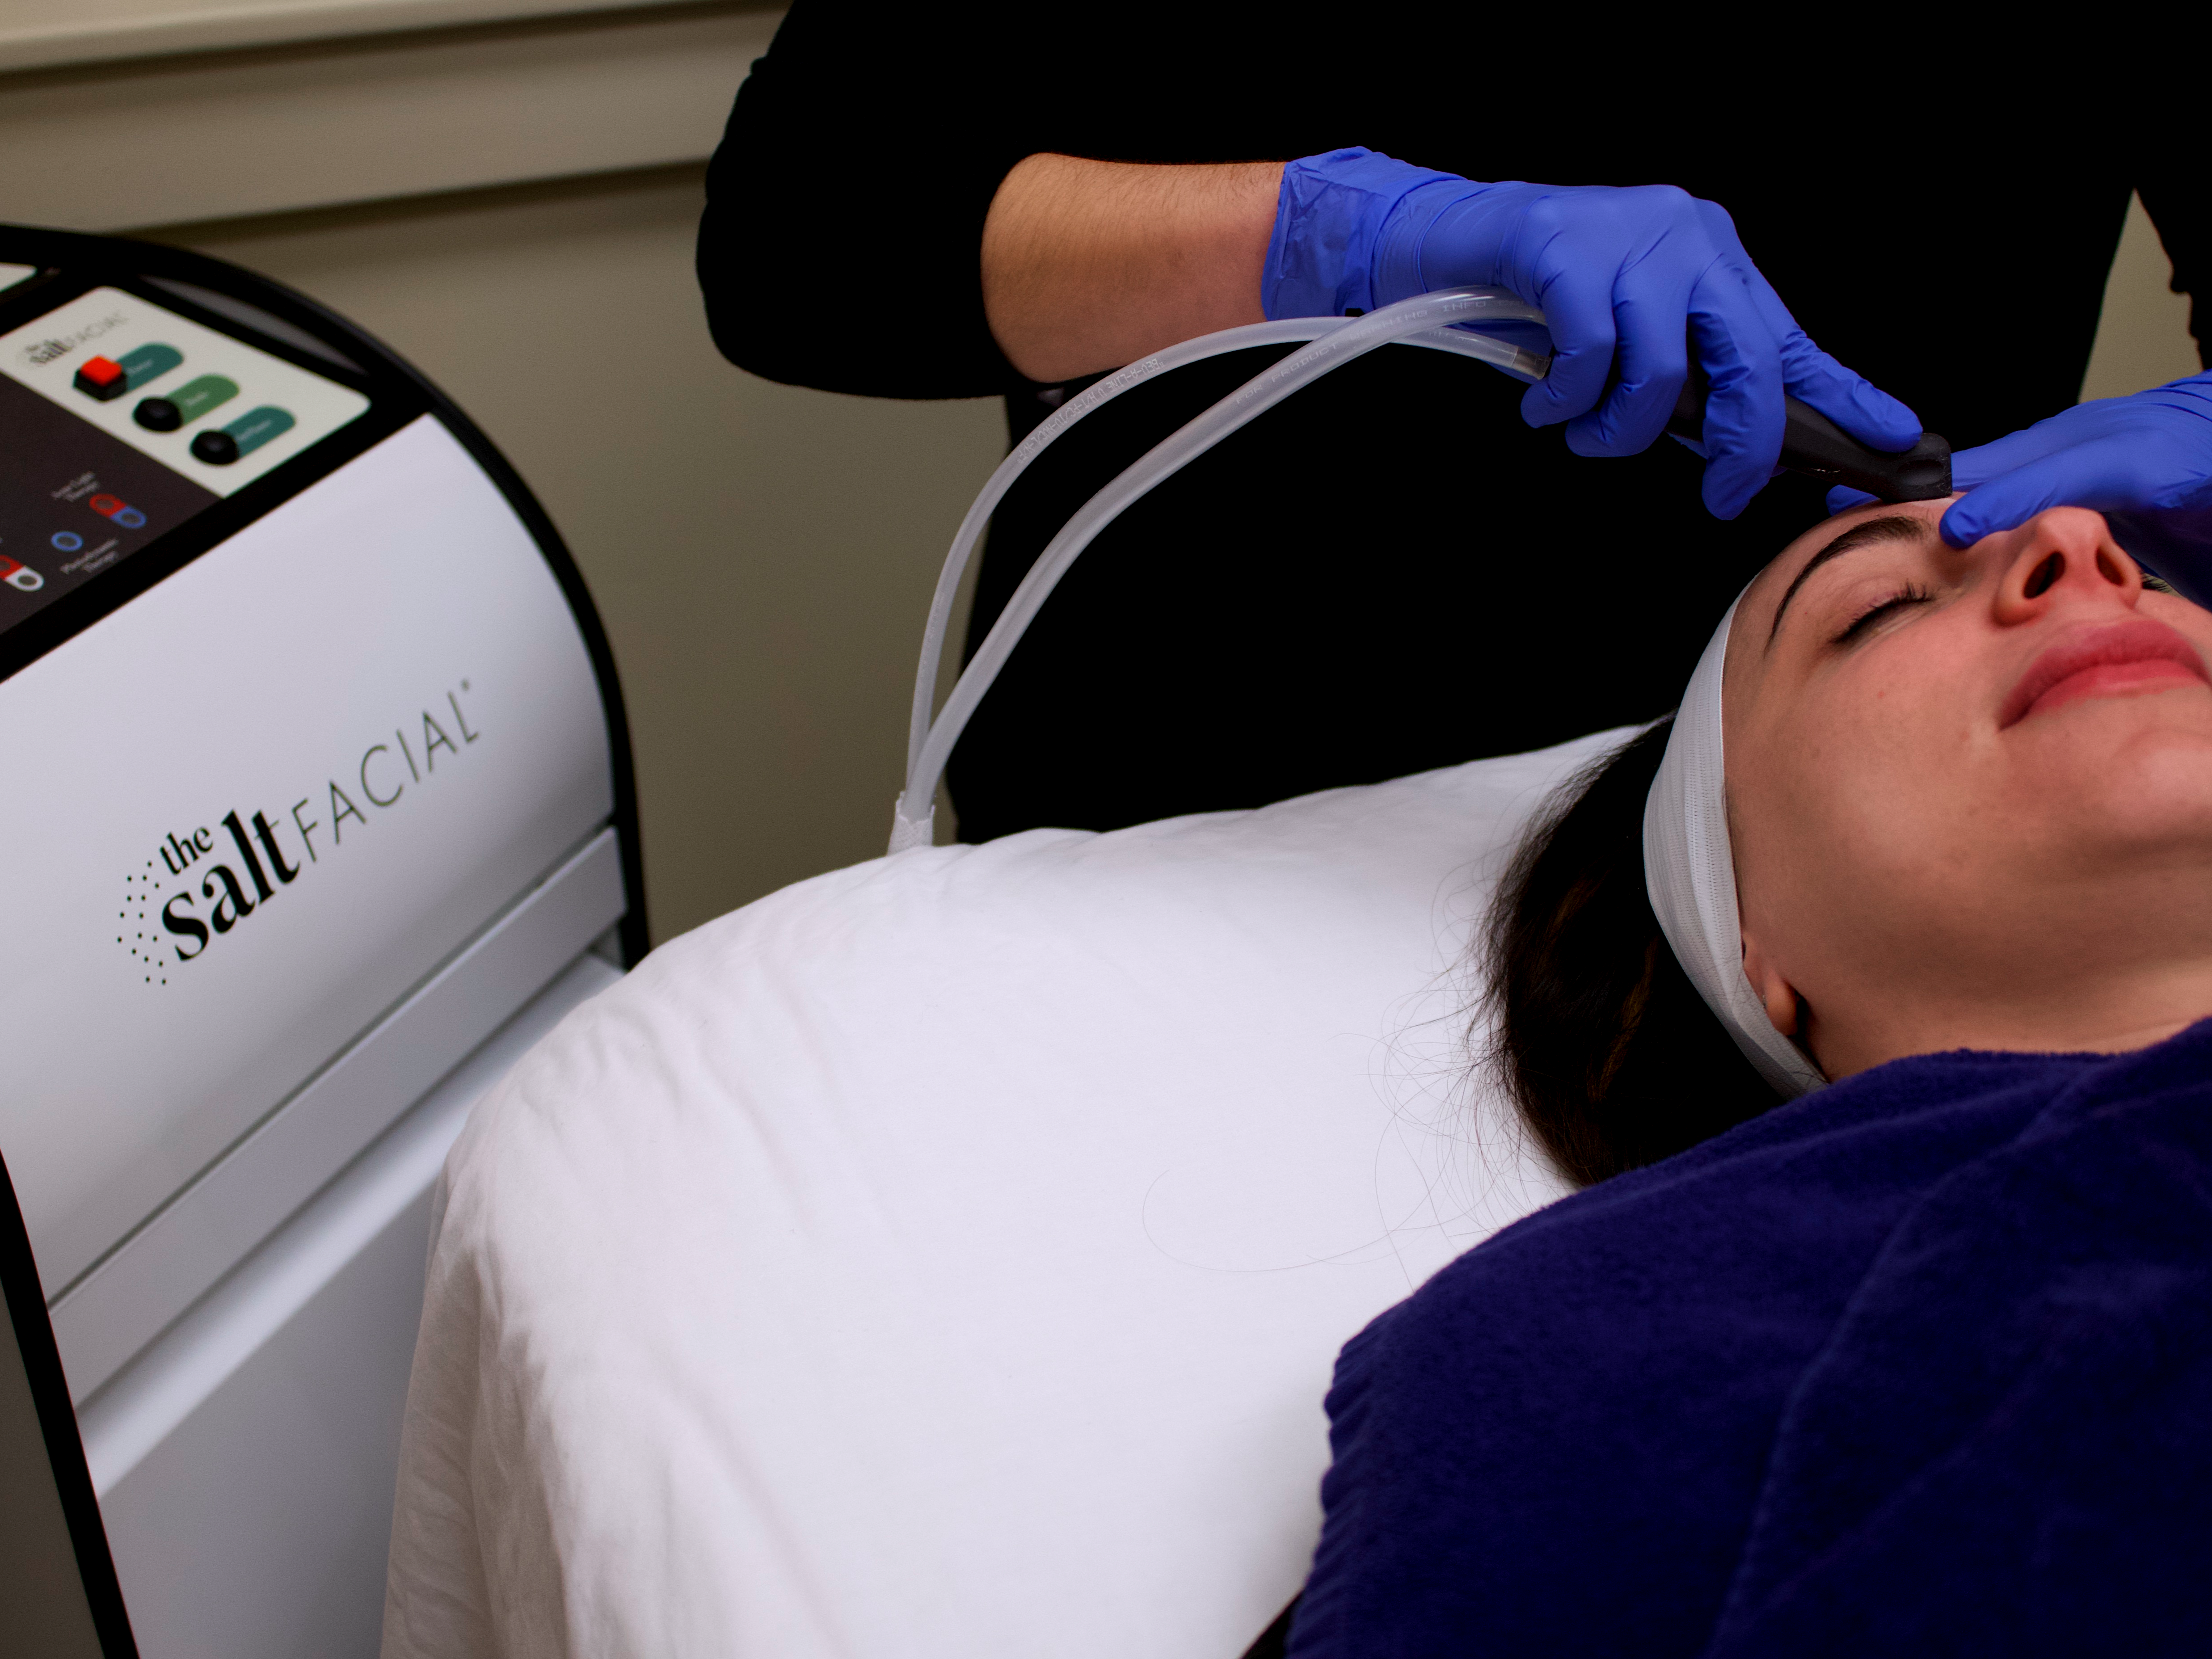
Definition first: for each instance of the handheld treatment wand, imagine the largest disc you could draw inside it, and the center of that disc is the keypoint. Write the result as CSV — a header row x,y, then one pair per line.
x,y
1815,445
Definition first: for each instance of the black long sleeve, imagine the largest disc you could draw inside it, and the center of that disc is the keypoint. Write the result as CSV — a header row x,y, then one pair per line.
x,y
841,242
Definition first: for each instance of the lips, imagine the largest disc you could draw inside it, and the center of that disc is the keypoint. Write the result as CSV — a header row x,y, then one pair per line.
x,y
2113,660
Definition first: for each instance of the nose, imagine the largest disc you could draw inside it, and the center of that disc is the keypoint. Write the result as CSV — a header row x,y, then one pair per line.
x,y
2065,553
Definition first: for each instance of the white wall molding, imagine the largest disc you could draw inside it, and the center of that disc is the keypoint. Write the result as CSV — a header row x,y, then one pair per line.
x,y
221,135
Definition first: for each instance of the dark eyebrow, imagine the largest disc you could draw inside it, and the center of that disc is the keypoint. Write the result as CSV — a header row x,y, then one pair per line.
x,y
1895,528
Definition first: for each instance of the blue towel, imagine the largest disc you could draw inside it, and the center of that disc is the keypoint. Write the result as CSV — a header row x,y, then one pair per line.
x,y
1919,1363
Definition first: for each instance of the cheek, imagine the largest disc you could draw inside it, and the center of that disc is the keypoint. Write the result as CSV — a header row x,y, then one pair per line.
x,y
1863,816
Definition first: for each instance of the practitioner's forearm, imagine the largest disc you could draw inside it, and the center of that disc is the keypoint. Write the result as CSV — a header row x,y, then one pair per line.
x,y
1091,265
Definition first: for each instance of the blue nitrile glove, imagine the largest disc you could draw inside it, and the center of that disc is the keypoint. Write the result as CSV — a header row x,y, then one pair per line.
x,y
2144,461
1620,274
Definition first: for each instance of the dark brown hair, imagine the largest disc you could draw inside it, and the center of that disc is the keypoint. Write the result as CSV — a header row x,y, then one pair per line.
x,y
1605,1047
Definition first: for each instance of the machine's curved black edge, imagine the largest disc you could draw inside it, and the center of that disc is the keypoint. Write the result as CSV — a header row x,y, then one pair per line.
x,y
42,1363
63,248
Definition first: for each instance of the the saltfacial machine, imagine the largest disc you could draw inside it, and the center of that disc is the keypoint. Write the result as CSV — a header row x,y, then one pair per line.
x,y
315,791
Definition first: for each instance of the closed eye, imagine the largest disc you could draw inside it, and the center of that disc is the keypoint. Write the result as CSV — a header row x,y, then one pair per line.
x,y
1911,593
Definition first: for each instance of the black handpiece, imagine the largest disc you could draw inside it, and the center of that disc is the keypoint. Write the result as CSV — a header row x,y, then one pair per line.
x,y
1815,445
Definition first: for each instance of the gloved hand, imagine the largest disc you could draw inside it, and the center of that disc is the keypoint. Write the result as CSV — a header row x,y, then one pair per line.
x,y
1625,279
2144,461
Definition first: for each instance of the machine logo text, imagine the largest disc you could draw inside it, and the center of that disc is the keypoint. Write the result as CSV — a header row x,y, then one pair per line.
x,y
204,882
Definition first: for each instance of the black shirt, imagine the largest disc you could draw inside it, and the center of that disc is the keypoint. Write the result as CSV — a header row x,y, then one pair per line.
x,y
1391,571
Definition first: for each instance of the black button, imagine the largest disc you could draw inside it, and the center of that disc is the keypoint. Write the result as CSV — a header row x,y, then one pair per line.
x,y
217,448
157,415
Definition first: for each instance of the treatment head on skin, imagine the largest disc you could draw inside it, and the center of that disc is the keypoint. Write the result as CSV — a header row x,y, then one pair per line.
x,y
1969,792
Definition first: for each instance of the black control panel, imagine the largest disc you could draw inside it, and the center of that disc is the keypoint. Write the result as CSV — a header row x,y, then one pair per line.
x,y
75,502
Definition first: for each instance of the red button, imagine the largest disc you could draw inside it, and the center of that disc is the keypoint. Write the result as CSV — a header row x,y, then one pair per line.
x,y
102,379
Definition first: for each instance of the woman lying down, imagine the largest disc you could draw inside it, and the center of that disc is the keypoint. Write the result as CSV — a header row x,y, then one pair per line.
x,y
1921,1360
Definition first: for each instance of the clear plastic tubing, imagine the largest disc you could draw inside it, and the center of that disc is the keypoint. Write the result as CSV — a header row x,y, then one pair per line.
x,y
1439,321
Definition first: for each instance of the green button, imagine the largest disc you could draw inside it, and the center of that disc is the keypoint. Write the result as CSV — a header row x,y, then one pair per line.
x,y
195,398
147,363
258,426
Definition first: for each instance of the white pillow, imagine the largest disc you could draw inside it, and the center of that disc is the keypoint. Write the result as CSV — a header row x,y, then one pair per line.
x,y
946,1256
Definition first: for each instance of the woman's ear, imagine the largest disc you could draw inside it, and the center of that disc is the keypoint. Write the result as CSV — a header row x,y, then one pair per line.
x,y
1777,993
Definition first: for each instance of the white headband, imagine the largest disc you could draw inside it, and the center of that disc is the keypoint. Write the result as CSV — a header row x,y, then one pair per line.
x,y
1689,869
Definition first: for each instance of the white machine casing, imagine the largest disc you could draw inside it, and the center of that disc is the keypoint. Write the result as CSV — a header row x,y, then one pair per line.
x,y
313,833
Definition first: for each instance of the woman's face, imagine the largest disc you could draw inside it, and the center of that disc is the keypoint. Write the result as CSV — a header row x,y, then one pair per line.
x,y
1970,792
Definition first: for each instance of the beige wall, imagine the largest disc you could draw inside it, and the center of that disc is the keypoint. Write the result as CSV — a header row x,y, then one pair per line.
x,y
519,202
